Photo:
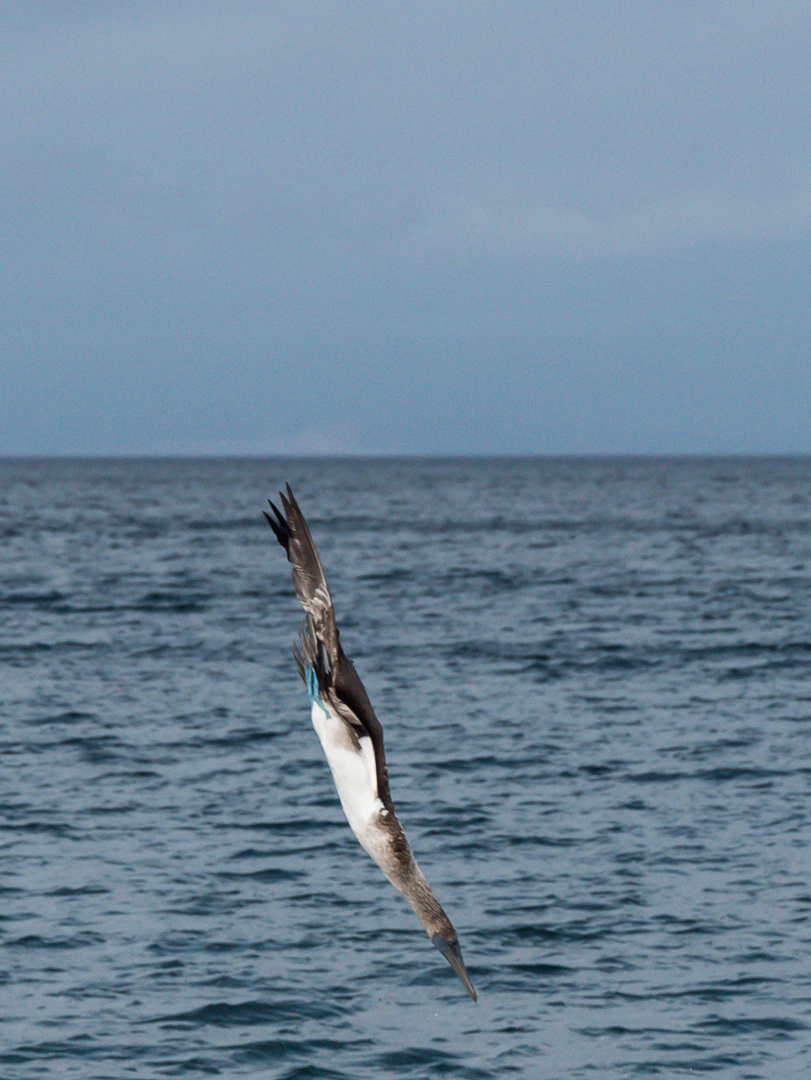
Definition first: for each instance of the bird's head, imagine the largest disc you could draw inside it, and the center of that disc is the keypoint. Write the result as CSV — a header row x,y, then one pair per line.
x,y
449,947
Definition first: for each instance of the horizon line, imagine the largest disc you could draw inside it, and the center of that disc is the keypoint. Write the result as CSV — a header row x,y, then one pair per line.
x,y
719,455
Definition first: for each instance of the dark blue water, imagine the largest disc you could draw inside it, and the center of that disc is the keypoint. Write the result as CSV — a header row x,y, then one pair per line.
x,y
594,681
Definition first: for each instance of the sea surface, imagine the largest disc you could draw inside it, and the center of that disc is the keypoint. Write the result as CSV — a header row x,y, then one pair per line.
x,y
594,678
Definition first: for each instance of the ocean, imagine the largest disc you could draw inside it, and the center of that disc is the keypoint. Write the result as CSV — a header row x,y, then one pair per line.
x,y
593,677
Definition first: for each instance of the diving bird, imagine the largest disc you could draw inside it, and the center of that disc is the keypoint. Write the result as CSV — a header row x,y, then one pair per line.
x,y
352,736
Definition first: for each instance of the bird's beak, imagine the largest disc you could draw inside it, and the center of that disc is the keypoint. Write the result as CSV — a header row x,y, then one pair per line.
x,y
453,954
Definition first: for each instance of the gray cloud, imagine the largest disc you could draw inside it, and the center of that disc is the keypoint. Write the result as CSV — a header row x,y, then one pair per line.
x,y
459,227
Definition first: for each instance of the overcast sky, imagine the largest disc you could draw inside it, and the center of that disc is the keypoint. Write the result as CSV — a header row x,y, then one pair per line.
x,y
405,227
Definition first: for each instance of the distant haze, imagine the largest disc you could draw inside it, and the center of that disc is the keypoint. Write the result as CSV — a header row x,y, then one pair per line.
x,y
457,227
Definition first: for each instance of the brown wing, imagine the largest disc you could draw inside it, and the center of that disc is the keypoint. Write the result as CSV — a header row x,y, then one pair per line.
x,y
308,575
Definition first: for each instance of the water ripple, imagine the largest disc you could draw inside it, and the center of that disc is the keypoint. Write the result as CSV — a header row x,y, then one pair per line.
x,y
593,681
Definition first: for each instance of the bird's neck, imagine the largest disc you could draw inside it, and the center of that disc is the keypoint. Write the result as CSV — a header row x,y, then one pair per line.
x,y
415,888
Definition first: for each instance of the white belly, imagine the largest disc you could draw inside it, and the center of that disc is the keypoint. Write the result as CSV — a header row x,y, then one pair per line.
x,y
355,777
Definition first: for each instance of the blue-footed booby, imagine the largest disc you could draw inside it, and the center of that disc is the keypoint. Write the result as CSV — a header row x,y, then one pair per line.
x,y
352,736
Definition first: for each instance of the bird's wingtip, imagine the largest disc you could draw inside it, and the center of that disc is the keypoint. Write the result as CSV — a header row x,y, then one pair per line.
x,y
279,525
